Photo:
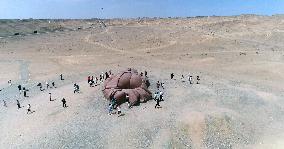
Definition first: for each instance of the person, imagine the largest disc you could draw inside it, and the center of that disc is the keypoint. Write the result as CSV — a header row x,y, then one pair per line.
x,y
110,108
40,86
190,80
47,84
158,84
61,77
4,103
20,88
18,104
101,78
141,74
146,73
161,96
64,103
109,72
92,79
107,75
162,85
10,82
118,110
75,88
182,78
49,96
96,80
127,100
198,79
53,84
29,109
25,92
157,101
172,75
89,79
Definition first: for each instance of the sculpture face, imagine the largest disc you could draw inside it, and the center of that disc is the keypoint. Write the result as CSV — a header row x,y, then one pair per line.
x,y
127,82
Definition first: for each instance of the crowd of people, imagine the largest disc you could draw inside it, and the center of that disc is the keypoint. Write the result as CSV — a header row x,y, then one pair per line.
x,y
95,81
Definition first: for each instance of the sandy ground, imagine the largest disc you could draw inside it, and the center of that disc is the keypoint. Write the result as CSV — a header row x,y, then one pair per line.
x,y
238,103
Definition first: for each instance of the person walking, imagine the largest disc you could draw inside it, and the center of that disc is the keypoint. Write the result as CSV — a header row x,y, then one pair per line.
x,y
18,104
190,80
25,92
146,74
53,84
47,85
157,101
29,109
4,103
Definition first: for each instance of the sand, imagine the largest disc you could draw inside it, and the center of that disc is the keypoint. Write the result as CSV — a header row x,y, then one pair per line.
x,y
238,103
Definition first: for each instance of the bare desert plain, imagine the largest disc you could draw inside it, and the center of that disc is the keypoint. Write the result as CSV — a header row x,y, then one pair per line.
x,y
238,104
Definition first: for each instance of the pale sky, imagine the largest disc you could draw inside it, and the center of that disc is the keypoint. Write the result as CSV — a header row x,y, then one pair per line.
x,y
135,8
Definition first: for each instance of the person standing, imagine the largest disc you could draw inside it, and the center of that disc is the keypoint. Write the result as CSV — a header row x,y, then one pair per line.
x,y
158,85
64,103
47,85
20,88
146,74
61,77
50,97
53,84
25,92
198,79
190,80
172,75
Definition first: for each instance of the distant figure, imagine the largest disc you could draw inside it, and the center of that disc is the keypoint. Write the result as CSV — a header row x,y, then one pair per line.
x,y
103,75
96,80
190,80
161,94
158,84
64,103
29,109
4,103
127,100
25,92
20,88
10,82
146,74
89,79
110,72
198,79
76,88
157,98
182,78
101,78
47,85
40,86
18,104
107,75
50,97
141,74
53,84
162,85
61,77
118,110
172,75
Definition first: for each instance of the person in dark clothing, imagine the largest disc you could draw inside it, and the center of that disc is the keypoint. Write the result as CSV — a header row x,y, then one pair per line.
x,y
50,97
107,75
141,74
64,103
40,86
158,84
146,73
18,104
61,77
53,84
29,109
76,88
25,92
198,79
20,88
172,75
89,79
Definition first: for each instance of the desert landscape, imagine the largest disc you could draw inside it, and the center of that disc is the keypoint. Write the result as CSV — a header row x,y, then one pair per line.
x,y
238,103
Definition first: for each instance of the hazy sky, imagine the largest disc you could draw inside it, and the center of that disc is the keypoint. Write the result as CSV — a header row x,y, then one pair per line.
x,y
135,8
